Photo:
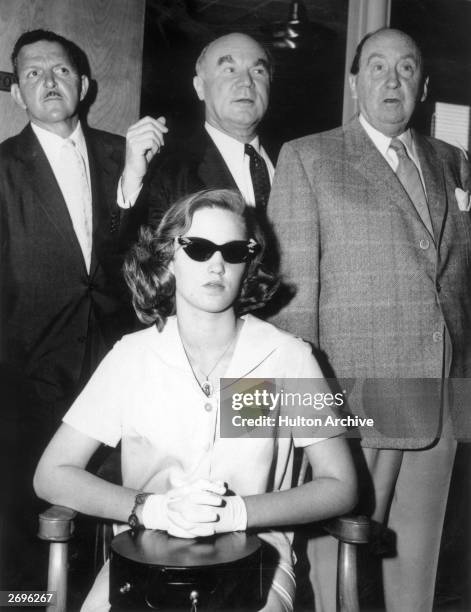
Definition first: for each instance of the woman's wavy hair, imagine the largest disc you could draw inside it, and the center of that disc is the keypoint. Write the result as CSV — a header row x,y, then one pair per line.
x,y
146,267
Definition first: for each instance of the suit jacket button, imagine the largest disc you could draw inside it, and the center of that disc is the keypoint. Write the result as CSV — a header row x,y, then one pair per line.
x,y
424,244
437,336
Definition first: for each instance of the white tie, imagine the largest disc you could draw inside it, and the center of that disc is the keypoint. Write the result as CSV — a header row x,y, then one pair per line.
x,y
76,192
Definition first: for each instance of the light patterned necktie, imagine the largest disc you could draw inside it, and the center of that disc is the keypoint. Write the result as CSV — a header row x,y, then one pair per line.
x,y
77,195
408,173
260,177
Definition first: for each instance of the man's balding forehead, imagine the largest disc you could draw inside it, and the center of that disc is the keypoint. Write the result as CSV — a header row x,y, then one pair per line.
x,y
382,32
397,34
260,61
264,59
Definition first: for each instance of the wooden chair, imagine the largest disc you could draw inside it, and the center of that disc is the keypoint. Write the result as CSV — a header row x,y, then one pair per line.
x,y
56,526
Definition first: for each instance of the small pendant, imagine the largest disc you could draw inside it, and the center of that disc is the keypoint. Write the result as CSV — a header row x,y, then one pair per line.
x,y
207,388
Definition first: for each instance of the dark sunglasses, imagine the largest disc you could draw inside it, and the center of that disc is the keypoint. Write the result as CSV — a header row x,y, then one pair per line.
x,y
235,252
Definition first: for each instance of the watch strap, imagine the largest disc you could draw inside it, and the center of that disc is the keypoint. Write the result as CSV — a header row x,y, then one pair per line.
x,y
133,520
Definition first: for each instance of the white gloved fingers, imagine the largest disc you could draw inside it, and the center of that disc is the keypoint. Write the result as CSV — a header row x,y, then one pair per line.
x,y
180,526
232,516
192,513
193,502
189,499
216,486
204,498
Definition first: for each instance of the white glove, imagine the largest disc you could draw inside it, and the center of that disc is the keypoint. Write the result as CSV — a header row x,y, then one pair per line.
x,y
185,512
232,515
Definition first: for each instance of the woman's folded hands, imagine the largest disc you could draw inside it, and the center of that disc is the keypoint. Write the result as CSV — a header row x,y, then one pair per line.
x,y
199,509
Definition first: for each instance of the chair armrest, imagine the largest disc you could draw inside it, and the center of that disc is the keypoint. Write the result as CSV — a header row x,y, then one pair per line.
x,y
56,524
350,529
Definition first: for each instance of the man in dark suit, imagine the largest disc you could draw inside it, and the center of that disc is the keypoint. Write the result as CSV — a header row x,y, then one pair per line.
x,y
233,80
374,227
63,303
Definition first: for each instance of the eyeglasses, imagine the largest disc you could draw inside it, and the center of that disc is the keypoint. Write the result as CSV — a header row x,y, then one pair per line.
x,y
235,252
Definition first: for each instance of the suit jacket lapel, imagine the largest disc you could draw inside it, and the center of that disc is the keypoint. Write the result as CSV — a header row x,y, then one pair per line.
x,y
369,162
272,148
432,171
213,169
46,190
103,163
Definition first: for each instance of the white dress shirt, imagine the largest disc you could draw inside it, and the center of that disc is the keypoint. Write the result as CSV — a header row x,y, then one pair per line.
x,y
52,146
382,142
233,153
78,197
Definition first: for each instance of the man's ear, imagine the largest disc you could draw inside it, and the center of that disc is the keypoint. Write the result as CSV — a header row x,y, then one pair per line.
x,y
84,86
16,95
352,81
424,90
199,87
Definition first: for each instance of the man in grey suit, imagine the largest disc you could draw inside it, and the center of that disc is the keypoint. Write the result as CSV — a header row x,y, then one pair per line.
x,y
375,232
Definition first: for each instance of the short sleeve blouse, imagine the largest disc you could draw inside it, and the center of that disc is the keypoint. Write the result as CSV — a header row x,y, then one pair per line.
x,y
144,394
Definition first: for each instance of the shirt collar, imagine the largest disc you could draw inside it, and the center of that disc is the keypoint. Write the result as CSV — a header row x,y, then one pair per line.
x,y
52,143
257,340
79,138
232,147
382,142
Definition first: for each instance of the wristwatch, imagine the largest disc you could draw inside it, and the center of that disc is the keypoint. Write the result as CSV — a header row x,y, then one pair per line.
x,y
133,520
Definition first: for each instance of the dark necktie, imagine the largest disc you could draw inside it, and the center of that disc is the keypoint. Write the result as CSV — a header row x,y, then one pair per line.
x,y
408,173
260,177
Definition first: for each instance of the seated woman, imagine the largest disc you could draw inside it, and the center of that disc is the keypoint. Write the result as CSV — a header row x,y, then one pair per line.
x,y
193,279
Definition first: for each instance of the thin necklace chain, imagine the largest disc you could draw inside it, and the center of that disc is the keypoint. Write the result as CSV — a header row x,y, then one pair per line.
x,y
206,386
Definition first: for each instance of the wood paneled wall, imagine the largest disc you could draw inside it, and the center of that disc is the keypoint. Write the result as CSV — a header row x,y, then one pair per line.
x,y
110,32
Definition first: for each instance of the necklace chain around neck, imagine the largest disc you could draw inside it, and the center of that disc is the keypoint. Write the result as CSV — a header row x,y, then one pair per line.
x,y
206,386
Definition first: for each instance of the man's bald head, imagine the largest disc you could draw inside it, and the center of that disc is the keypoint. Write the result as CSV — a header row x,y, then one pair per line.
x,y
355,66
233,38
